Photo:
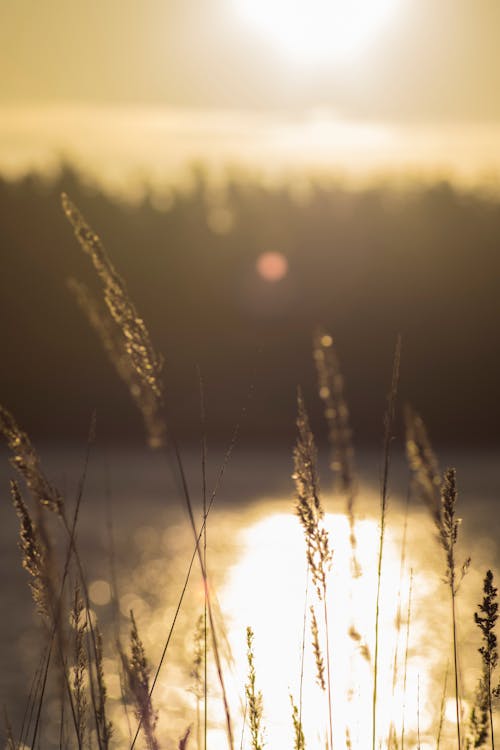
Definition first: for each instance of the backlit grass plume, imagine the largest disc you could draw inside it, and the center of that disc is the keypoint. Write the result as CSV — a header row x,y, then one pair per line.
x,y
198,671
33,556
486,619
308,505
138,671
26,461
299,742
448,526
318,656
114,345
146,363
80,666
311,514
147,366
103,726
254,698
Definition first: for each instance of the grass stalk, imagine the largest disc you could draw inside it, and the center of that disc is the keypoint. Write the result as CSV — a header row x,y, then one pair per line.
x,y
442,707
203,420
388,438
405,666
254,698
311,514
448,534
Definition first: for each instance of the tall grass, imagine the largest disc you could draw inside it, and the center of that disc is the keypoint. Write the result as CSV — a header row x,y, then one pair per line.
x,y
388,438
59,585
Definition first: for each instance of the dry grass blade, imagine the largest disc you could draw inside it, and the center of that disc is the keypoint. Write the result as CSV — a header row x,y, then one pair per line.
x,y
138,671
114,345
448,531
310,512
308,504
137,341
46,581
26,461
33,555
147,365
318,656
486,619
80,667
103,726
448,534
299,742
254,698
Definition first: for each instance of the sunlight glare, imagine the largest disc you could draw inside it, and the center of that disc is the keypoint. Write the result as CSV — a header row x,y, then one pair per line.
x,y
312,31
266,590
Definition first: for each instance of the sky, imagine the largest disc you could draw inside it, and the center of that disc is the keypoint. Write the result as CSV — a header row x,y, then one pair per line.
x,y
226,79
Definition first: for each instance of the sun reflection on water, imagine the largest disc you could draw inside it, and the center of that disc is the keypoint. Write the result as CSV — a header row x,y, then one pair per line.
x,y
257,566
266,589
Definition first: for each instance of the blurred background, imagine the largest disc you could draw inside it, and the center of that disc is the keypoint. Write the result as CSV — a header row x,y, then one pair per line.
x,y
255,170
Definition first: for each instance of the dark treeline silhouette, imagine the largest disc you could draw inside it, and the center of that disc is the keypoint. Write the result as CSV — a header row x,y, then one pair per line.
x,y
366,264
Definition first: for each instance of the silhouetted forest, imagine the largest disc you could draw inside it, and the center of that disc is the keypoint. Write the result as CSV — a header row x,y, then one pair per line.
x,y
367,264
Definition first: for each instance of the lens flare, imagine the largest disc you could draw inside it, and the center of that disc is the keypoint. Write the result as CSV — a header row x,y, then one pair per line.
x,y
272,266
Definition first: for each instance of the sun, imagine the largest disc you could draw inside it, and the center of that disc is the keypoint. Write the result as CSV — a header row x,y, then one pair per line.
x,y
319,31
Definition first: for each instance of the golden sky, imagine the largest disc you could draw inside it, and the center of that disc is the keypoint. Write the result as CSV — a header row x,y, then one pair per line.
x,y
428,73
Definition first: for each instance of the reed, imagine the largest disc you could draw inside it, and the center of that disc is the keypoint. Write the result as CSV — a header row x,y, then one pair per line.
x,y
138,671
486,618
80,667
254,698
448,535
299,742
80,649
310,511
147,366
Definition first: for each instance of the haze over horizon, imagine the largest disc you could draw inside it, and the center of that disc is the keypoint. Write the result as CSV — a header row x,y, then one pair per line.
x,y
132,91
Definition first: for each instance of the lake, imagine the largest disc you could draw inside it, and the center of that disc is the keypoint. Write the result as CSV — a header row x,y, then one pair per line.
x,y
133,521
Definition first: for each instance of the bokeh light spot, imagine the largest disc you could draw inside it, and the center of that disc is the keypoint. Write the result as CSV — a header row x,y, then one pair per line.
x,y
272,266
100,592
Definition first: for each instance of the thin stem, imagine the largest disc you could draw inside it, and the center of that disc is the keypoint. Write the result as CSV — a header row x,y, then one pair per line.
x,y
329,692
405,672
388,437
418,711
203,416
441,711
490,709
303,649
455,664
